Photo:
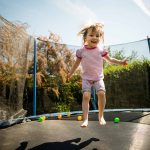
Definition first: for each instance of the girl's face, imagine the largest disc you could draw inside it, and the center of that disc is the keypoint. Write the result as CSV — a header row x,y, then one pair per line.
x,y
92,38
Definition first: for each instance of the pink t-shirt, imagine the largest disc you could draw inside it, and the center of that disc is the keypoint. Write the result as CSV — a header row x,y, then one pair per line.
x,y
92,62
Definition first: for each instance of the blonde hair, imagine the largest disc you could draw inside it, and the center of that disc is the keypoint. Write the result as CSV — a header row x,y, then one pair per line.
x,y
95,27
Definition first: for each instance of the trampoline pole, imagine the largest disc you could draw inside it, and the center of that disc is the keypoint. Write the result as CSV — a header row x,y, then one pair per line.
x,y
93,99
34,81
148,41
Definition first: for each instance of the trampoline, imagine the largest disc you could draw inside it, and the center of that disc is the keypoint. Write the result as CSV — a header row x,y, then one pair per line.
x,y
27,133
131,133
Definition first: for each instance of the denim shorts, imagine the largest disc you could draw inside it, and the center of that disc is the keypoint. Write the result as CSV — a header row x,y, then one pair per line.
x,y
98,85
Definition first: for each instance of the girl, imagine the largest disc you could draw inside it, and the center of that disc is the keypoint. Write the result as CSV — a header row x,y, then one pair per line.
x,y
91,58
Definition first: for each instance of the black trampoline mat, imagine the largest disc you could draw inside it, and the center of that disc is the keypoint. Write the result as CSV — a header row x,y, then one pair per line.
x,y
66,134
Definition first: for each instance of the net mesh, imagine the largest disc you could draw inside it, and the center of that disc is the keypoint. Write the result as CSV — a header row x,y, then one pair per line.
x,y
16,50
54,60
137,49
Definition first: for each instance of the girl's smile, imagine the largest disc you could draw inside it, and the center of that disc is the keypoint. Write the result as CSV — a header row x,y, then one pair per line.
x,y
92,38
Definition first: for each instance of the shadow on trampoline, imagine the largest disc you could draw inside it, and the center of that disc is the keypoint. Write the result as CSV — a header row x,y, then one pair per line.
x,y
132,132
69,144
22,146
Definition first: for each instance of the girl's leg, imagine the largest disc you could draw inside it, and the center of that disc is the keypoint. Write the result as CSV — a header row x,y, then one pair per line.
x,y
85,108
101,106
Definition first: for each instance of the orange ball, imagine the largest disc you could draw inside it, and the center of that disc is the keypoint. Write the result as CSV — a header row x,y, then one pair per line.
x,y
59,116
79,118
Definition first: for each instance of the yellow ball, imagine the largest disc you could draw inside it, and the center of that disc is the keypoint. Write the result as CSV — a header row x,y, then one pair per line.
x,y
59,116
79,118
68,115
44,118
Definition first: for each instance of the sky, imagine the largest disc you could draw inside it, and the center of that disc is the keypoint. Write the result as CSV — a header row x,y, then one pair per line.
x,y
124,20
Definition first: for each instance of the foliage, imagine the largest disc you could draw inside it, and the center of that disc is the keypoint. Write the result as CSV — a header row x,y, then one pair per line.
x,y
114,70
61,107
70,94
53,62
15,46
52,59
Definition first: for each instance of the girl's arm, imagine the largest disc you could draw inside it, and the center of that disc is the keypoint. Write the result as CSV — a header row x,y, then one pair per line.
x,y
115,61
75,66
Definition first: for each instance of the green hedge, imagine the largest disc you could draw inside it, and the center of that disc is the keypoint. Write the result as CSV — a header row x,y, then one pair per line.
x,y
128,86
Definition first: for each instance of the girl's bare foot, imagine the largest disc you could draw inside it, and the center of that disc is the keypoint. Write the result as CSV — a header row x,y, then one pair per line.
x,y
102,121
85,123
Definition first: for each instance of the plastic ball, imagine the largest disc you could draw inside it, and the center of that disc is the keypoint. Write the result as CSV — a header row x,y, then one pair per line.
x,y
44,118
59,116
40,119
79,118
68,115
116,120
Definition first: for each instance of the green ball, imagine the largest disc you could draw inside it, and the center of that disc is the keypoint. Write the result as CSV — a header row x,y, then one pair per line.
x,y
116,120
40,119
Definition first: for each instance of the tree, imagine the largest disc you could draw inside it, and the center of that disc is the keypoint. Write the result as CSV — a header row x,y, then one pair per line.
x,y
54,60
